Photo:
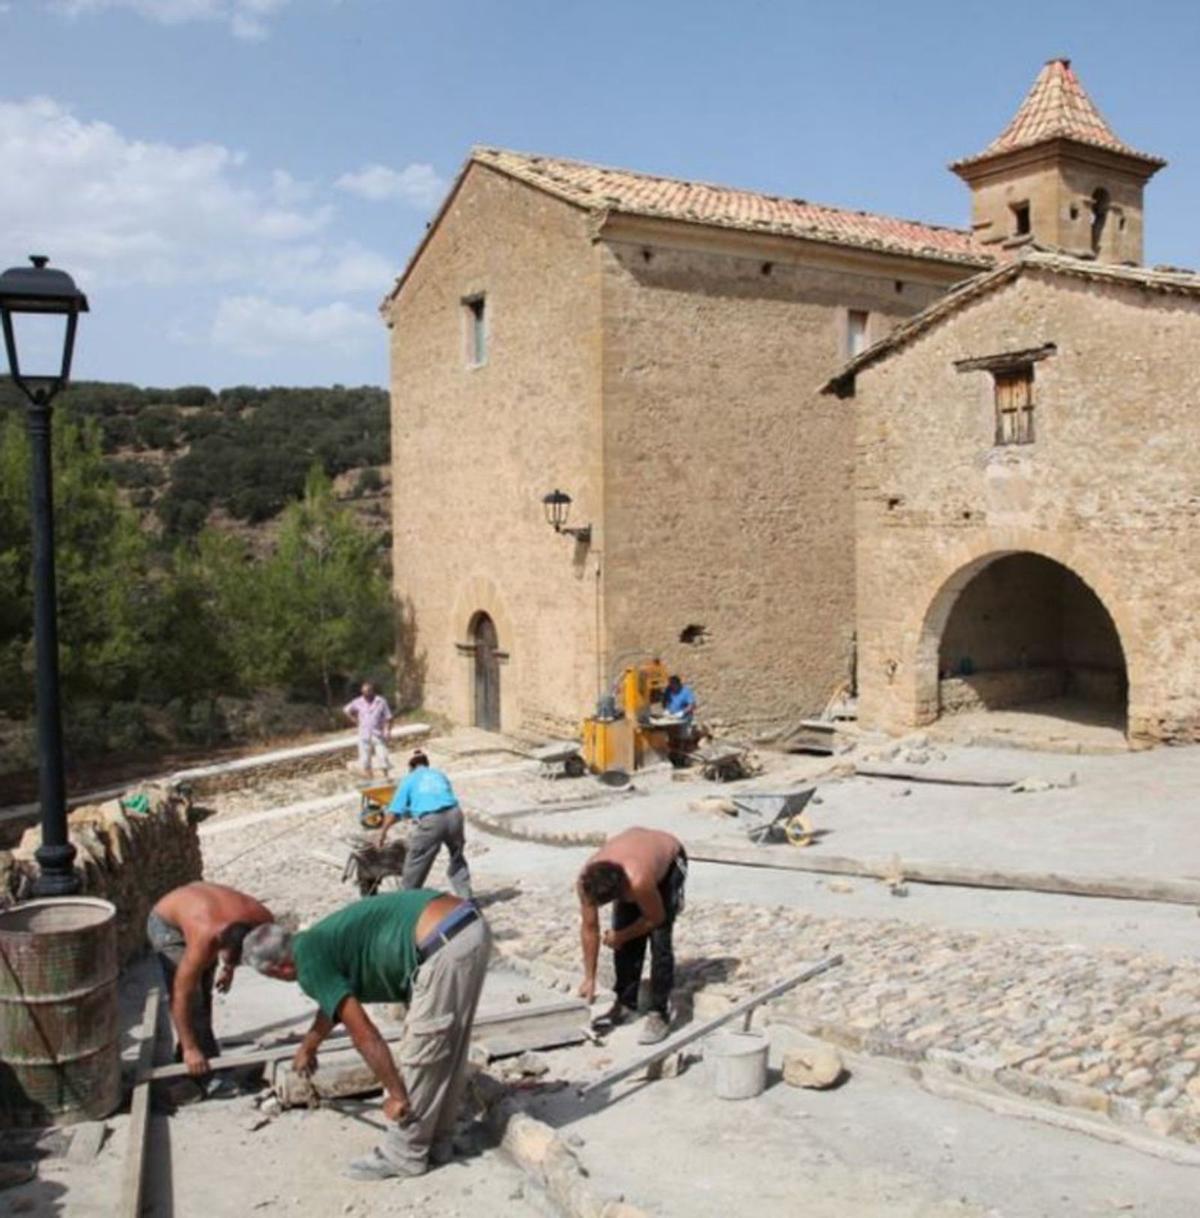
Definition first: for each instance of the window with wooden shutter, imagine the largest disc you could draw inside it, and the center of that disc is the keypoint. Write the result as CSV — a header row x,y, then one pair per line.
x,y
1014,405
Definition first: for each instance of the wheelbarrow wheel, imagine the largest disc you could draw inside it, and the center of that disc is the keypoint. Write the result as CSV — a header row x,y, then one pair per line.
x,y
800,830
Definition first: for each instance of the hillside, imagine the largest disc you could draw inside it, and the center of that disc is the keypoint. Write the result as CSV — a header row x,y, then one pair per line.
x,y
234,458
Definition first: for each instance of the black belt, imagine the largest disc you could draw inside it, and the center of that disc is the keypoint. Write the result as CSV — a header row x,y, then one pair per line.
x,y
454,923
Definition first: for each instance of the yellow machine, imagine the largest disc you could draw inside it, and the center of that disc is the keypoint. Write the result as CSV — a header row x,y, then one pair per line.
x,y
623,733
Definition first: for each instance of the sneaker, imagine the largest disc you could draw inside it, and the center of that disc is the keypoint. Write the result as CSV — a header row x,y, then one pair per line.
x,y
375,1167
220,1087
616,1015
654,1029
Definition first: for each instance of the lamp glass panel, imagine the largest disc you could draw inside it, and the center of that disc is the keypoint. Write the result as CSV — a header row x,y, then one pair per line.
x,y
39,339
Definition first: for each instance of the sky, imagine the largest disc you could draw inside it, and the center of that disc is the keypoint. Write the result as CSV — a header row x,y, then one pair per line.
x,y
236,183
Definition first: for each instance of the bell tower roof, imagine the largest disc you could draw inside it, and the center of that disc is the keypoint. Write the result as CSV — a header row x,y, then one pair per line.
x,y
1057,107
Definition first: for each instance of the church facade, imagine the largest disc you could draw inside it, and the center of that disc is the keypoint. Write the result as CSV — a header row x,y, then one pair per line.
x,y
747,400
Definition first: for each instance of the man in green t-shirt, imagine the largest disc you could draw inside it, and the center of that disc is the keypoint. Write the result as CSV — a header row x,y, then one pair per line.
x,y
422,947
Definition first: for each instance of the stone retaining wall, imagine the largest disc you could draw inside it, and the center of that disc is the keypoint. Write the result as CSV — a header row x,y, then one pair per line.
x,y
126,857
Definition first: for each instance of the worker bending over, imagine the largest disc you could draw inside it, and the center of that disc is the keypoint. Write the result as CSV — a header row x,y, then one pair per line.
x,y
191,929
642,871
427,796
425,948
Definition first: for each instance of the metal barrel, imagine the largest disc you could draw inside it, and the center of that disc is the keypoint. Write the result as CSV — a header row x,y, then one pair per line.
x,y
59,1055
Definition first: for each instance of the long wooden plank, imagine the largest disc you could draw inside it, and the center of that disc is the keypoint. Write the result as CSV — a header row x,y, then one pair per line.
x,y
1122,888
674,1043
139,1111
485,1025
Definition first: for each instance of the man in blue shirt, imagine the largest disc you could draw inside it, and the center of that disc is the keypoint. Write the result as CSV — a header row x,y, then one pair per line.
x,y
678,699
427,796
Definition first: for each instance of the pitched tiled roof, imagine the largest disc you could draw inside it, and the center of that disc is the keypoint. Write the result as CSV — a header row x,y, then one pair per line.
x,y
1171,281
640,194
1057,107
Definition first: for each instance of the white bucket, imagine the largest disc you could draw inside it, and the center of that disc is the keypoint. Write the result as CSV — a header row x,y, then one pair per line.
x,y
739,1064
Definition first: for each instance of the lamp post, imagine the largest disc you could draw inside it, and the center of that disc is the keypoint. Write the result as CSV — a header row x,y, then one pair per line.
x,y
557,506
39,291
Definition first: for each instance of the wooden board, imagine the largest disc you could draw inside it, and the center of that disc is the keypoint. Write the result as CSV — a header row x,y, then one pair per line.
x,y
550,1017
130,1205
1123,888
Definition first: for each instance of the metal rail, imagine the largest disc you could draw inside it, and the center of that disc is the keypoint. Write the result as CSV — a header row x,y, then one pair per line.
x,y
745,1007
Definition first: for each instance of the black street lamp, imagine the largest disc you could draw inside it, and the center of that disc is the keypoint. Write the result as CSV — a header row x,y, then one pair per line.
x,y
38,291
557,506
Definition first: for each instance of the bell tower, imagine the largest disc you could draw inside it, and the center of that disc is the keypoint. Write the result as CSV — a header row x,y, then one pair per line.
x,y
1057,176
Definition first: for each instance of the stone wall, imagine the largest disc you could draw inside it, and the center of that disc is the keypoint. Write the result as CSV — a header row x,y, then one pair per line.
x,y
728,477
476,448
1110,489
126,857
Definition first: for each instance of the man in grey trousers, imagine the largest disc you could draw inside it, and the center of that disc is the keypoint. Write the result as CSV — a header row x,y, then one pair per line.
x,y
422,947
427,796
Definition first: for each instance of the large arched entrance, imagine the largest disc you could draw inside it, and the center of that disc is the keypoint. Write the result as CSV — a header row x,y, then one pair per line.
x,y
1020,630
487,672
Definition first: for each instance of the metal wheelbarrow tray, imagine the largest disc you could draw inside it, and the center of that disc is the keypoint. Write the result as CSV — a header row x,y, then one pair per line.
x,y
788,821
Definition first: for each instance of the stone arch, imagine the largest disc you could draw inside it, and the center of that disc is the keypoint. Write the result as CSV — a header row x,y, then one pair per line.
x,y
962,566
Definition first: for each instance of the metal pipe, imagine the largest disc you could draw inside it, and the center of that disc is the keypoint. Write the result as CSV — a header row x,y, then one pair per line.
x,y
744,1007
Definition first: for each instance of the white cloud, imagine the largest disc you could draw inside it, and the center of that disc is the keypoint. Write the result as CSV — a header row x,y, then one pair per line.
x,y
417,184
247,19
119,211
252,325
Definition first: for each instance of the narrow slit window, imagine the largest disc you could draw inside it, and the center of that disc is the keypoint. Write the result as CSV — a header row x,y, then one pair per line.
x,y
856,331
1021,221
475,318
1014,406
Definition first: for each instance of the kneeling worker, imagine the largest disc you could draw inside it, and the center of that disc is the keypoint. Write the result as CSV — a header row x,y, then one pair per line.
x,y
191,929
422,947
643,872
427,796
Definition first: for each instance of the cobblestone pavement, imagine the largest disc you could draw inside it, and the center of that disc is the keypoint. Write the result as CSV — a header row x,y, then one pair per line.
x,y
1110,1032
1113,1032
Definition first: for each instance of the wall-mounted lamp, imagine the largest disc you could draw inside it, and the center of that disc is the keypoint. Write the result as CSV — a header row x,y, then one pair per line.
x,y
558,508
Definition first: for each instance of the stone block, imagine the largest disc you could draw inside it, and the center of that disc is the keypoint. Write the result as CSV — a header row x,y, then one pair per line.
x,y
818,1067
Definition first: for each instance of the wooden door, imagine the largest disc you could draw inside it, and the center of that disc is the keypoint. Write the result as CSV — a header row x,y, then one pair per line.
x,y
487,674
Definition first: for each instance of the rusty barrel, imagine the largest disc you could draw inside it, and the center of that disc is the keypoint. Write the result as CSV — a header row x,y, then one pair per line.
x,y
59,1057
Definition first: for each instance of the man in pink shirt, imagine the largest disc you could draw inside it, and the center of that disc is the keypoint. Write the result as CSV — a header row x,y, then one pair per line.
x,y
374,719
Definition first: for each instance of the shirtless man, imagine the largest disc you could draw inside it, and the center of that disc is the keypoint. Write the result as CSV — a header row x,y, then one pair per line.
x,y
643,872
191,928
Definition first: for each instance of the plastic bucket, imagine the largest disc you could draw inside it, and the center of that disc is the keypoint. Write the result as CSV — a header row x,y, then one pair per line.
x,y
739,1064
59,1060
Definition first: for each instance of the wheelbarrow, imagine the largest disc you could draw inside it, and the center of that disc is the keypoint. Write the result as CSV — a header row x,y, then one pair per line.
x,y
369,864
788,821
561,759
375,801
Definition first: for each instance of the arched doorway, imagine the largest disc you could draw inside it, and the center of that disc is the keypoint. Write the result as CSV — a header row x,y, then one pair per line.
x,y
1022,630
487,672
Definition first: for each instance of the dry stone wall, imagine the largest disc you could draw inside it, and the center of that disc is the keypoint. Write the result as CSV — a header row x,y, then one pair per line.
x,y
127,857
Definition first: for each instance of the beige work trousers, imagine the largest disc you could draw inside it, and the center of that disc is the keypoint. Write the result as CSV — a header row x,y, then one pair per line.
x,y
433,1054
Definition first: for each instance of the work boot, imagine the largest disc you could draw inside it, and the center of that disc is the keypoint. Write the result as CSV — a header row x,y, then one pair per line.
x,y
654,1029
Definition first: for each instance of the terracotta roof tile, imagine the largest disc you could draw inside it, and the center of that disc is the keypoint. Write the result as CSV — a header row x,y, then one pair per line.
x,y
620,190
1057,107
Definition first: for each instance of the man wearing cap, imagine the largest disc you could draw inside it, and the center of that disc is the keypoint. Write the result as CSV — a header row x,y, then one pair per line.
x,y
426,948
428,798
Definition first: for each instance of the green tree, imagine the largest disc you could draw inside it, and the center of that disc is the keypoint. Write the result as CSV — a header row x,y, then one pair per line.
x,y
323,604
103,565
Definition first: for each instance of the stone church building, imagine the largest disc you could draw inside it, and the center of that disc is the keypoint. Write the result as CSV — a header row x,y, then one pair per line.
x,y
807,449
